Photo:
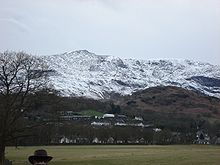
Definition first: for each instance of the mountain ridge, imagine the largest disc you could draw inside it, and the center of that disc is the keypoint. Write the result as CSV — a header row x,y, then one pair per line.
x,y
85,74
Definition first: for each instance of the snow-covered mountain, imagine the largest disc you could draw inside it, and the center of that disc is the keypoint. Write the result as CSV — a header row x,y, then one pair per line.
x,y
81,73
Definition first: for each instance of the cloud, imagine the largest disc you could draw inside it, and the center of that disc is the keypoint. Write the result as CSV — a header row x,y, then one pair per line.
x,y
126,28
14,23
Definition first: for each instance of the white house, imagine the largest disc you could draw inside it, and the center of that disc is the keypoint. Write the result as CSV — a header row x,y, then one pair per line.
x,y
107,115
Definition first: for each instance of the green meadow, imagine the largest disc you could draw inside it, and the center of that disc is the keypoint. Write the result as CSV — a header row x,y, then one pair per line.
x,y
122,154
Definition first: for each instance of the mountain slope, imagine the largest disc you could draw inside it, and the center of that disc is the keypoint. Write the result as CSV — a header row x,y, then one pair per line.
x,y
170,100
81,73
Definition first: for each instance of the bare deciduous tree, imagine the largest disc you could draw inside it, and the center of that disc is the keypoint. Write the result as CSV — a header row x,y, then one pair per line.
x,y
20,75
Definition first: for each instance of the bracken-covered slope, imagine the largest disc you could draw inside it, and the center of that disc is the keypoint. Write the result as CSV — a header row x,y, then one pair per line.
x,y
81,73
170,100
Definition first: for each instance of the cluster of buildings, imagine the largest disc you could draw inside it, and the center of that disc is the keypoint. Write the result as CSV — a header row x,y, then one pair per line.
x,y
112,120
105,120
96,140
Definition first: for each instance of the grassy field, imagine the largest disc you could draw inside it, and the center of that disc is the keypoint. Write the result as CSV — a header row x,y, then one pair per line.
x,y
122,155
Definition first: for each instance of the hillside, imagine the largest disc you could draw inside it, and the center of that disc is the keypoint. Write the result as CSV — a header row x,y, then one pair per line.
x,y
166,106
178,112
170,101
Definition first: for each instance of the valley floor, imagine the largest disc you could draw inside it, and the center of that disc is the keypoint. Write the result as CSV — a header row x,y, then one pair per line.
x,y
121,154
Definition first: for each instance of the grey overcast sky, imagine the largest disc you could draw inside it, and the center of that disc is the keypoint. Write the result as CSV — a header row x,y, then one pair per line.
x,y
141,29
